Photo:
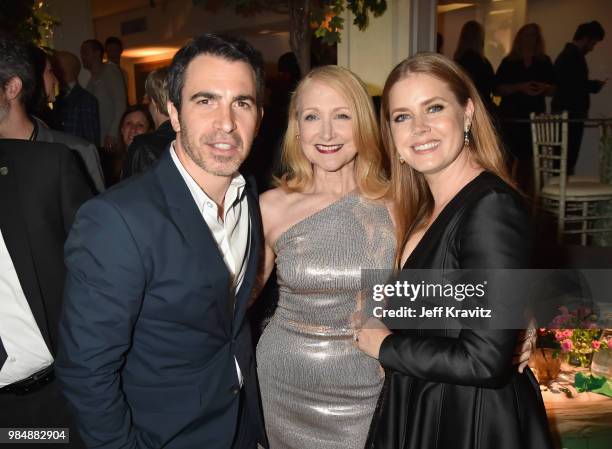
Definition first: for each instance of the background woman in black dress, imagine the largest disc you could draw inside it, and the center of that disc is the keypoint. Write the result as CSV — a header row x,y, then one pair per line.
x,y
455,209
470,56
523,80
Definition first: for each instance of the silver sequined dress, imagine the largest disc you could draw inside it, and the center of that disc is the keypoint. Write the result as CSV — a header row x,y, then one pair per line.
x,y
318,390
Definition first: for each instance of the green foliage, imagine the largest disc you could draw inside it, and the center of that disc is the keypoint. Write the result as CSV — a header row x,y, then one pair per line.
x,y
26,20
325,15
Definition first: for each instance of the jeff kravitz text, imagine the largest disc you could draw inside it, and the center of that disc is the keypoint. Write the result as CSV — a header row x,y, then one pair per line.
x,y
423,290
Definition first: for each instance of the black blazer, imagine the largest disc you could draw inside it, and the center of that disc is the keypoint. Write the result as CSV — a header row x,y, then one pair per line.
x,y
457,388
150,331
573,92
41,188
146,149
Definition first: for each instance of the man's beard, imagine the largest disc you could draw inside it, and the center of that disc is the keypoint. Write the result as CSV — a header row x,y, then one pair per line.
x,y
5,108
230,164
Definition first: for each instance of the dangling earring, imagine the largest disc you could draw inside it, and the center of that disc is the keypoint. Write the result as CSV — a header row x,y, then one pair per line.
x,y
297,136
466,135
401,159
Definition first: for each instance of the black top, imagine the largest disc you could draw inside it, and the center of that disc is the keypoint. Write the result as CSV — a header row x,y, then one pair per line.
x,y
510,71
574,85
481,71
458,388
146,149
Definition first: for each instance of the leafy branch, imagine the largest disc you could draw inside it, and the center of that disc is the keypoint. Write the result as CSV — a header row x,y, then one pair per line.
x,y
325,16
27,20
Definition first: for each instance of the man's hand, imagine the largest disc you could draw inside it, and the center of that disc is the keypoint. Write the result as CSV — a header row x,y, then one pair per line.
x,y
370,337
601,84
533,88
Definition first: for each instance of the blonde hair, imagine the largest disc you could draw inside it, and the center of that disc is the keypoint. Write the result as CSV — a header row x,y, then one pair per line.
x,y
370,174
156,88
411,195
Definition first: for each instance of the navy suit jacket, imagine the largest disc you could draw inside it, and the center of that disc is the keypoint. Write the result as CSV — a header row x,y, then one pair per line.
x,y
149,331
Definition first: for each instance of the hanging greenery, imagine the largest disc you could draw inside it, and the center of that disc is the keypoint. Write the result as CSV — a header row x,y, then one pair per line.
x,y
27,20
323,17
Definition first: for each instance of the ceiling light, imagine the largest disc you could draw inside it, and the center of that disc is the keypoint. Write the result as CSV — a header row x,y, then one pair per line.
x,y
143,52
453,7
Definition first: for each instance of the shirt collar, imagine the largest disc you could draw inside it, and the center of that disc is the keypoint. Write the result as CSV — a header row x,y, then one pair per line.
x,y
234,194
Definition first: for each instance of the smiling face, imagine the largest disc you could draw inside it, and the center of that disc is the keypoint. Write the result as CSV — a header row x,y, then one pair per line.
x,y
325,123
134,124
219,115
427,123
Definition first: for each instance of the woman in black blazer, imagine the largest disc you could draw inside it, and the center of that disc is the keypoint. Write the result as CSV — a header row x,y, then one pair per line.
x,y
455,209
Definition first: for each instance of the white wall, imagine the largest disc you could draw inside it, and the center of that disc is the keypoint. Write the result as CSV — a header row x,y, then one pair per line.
x,y
373,52
76,26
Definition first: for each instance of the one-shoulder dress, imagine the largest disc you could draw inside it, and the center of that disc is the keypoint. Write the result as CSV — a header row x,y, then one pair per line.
x,y
318,390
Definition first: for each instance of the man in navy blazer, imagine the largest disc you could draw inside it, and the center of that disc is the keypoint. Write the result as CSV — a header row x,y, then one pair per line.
x,y
155,349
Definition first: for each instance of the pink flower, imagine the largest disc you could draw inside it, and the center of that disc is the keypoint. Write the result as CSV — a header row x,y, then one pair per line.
x,y
567,345
596,344
559,335
610,343
567,333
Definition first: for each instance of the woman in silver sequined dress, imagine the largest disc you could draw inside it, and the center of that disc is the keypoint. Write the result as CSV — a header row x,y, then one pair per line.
x,y
323,224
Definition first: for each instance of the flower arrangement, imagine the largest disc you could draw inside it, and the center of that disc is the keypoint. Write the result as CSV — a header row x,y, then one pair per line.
x,y
575,333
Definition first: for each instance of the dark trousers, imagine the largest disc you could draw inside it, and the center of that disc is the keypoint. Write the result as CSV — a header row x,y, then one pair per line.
x,y
574,140
517,142
245,437
43,408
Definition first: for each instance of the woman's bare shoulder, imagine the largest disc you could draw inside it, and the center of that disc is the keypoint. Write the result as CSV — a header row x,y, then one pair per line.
x,y
275,200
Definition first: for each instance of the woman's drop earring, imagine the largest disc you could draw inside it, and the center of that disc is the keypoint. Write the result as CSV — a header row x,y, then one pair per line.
x,y
466,135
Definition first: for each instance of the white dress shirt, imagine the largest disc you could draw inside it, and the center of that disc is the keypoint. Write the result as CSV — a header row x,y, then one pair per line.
x,y
109,90
232,232
24,344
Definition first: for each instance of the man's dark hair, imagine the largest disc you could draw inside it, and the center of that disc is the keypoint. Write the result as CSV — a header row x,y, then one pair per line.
x,y
225,47
15,62
592,30
113,40
96,45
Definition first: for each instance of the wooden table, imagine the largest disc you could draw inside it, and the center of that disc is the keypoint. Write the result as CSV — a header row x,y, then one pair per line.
x,y
581,422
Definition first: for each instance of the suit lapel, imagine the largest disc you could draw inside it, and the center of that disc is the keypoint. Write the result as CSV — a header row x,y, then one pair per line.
x,y
191,224
43,134
244,294
15,235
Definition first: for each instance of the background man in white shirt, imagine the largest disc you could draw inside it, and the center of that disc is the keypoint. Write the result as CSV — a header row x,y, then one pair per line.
x,y
107,85
155,346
